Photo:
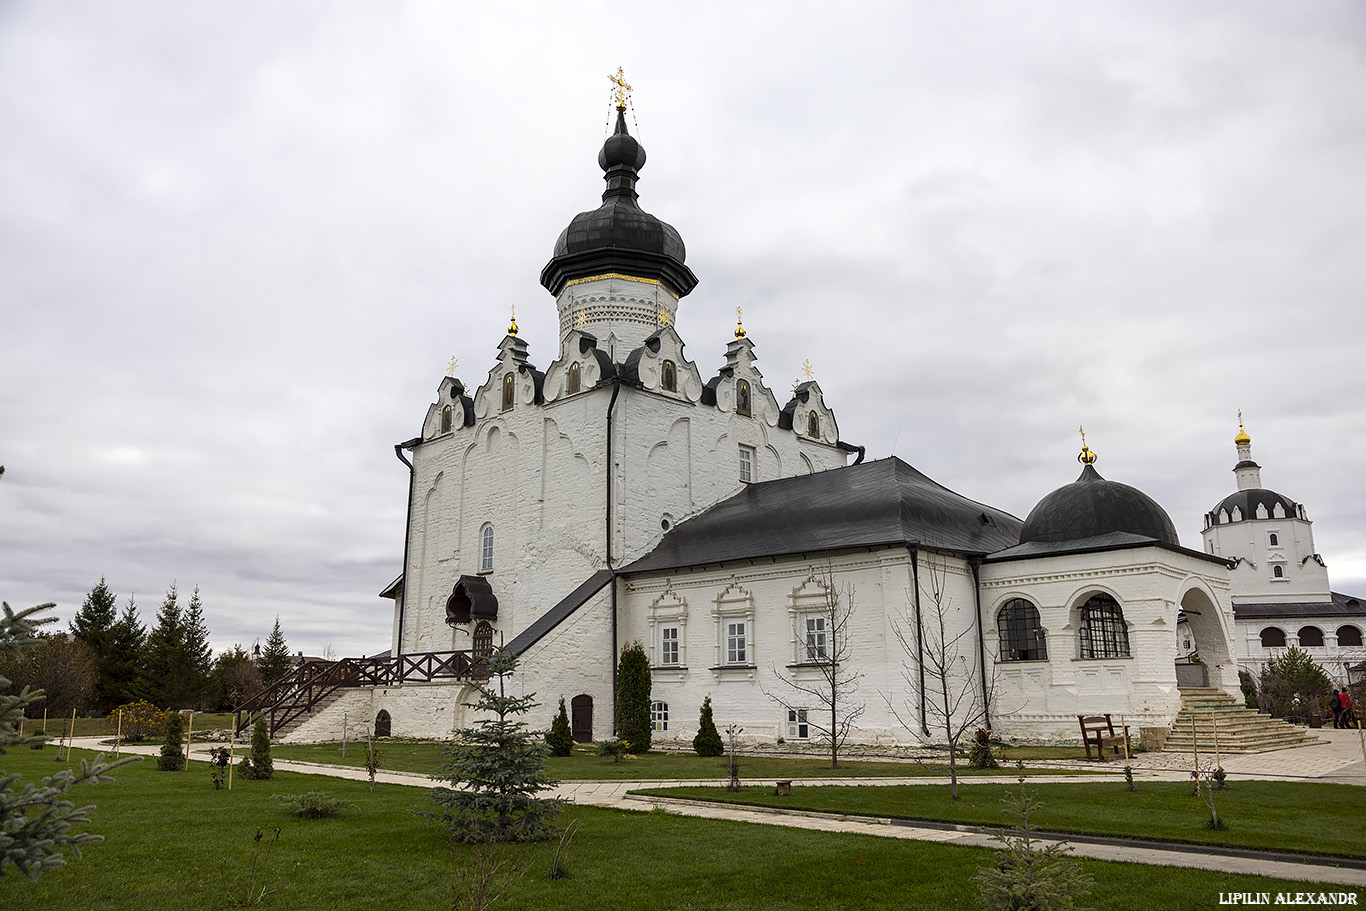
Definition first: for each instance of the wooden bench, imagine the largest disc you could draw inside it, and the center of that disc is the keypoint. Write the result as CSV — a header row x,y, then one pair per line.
x,y
1100,731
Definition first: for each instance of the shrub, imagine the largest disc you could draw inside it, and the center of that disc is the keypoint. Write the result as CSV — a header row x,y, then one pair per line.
x,y
560,739
617,749
141,721
219,757
314,804
257,765
1026,875
708,739
633,697
172,758
981,757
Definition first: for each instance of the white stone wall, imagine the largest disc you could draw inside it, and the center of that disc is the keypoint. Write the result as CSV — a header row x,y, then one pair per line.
x,y
430,710
1332,656
1303,577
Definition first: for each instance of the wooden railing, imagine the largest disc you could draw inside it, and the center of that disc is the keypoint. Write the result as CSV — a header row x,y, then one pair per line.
x,y
298,692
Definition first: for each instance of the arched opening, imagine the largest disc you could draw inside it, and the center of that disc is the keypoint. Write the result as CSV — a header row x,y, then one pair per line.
x,y
509,391
1311,635
1022,635
813,426
1210,658
483,639
1102,632
668,380
1277,572
383,724
486,549
1349,635
581,718
1275,541
742,398
446,419
573,380
1273,637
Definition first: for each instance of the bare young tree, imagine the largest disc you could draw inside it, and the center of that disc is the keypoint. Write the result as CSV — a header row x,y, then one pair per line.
x,y
820,687
946,678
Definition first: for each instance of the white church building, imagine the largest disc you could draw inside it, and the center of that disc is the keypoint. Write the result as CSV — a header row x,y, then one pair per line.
x,y
624,492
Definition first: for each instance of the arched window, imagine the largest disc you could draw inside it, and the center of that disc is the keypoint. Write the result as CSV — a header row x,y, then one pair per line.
x,y
1022,637
383,724
742,397
1273,637
668,377
1349,635
1311,635
1277,572
446,419
483,639
659,716
572,381
1102,633
813,426
1274,541
509,391
486,549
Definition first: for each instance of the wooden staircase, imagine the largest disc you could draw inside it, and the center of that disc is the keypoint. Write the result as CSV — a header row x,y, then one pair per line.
x,y
1240,729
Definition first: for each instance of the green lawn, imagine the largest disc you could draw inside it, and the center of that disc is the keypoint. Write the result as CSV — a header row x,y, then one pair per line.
x,y
1303,817
410,756
172,843
107,726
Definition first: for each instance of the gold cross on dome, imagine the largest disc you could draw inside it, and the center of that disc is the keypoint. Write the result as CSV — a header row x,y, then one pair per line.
x,y
454,366
664,318
806,369
512,327
583,317
622,89
739,323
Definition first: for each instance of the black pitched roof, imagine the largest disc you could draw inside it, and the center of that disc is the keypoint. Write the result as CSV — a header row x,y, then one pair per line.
x,y
1340,606
885,502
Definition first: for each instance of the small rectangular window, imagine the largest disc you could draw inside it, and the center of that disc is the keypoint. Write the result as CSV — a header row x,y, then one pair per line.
x,y
659,716
747,464
797,727
668,645
737,643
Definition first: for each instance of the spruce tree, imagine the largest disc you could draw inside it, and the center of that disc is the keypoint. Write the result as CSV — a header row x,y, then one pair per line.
x,y
633,698
496,769
164,676
119,670
172,758
1025,875
198,654
560,739
708,739
274,662
258,765
94,625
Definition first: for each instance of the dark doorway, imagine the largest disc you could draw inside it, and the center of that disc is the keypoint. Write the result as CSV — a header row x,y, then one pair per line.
x,y
581,718
383,723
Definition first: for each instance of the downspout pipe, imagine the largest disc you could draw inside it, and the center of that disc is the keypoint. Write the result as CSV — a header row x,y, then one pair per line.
x,y
976,564
919,636
407,537
611,406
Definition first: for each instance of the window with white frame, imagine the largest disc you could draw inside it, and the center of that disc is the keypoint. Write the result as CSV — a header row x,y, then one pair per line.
x,y
486,549
737,642
817,639
668,646
797,726
747,464
659,716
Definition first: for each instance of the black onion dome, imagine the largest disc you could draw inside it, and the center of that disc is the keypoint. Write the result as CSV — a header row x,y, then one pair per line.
x,y
1091,506
619,236
1248,501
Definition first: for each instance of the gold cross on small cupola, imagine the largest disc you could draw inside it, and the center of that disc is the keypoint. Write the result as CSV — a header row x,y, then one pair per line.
x,y
622,89
512,327
452,367
739,323
1087,457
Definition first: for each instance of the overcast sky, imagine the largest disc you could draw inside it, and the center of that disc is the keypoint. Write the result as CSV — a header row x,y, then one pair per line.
x,y
240,241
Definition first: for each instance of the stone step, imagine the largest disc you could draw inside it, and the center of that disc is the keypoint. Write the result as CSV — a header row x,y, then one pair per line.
x,y
1240,729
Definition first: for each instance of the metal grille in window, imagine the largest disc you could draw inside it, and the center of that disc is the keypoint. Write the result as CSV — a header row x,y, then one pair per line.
x,y
1022,637
1103,633
659,716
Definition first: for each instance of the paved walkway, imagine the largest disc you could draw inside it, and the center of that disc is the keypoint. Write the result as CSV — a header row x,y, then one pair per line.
x,y
1337,758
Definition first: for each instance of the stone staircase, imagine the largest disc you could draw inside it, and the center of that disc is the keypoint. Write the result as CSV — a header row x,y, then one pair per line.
x,y
1240,729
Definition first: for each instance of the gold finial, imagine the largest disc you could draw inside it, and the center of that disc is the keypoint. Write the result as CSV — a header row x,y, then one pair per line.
x,y
795,384
806,369
664,318
452,367
1242,439
622,89
1087,457
739,324
583,317
512,327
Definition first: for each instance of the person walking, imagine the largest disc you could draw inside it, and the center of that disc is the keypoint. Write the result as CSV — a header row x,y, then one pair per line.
x,y
1335,704
1348,711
